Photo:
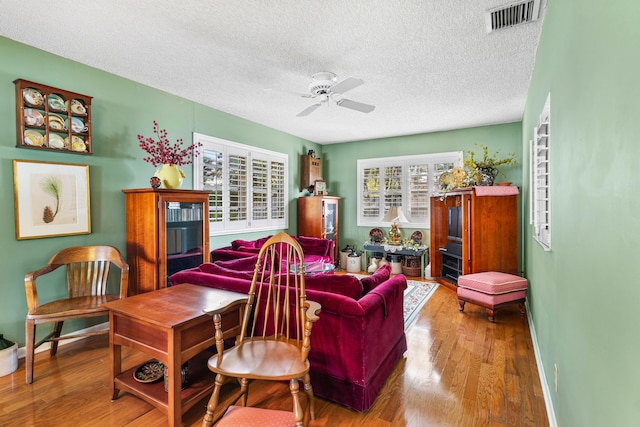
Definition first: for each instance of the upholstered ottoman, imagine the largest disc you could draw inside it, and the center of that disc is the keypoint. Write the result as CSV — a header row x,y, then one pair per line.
x,y
492,290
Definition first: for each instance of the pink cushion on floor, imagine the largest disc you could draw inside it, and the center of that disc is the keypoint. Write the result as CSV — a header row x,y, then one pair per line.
x,y
490,299
241,416
493,282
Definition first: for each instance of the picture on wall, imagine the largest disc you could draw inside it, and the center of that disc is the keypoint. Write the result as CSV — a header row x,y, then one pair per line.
x,y
51,199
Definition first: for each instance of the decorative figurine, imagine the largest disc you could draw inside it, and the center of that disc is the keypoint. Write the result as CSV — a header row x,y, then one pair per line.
x,y
155,182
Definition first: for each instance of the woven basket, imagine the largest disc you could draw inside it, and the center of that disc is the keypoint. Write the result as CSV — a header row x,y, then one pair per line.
x,y
411,266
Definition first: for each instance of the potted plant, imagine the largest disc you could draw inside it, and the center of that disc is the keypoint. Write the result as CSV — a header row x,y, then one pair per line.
x,y
483,171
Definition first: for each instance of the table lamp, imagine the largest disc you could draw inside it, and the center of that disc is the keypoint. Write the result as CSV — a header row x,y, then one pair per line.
x,y
395,215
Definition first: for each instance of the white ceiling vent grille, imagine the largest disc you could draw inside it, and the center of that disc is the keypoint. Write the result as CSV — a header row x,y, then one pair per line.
x,y
517,13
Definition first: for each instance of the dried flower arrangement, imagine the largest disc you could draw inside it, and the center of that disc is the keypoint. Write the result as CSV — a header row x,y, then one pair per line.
x,y
162,152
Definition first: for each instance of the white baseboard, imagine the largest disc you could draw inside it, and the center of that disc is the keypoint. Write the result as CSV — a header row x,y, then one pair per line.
x,y
548,402
22,351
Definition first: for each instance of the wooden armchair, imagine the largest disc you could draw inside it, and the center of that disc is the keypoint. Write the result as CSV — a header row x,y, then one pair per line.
x,y
274,340
87,277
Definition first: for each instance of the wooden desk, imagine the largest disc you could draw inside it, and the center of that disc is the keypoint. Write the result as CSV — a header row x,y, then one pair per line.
x,y
171,325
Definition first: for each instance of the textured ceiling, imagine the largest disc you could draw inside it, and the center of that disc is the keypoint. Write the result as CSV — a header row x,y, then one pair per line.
x,y
427,65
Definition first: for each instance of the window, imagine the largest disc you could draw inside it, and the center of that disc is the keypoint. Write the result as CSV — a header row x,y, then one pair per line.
x,y
247,185
540,183
407,181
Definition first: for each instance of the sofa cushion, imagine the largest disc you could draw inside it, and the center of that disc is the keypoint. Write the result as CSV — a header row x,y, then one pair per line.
x,y
240,264
215,268
246,244
342,284
314,245
370,282
249,245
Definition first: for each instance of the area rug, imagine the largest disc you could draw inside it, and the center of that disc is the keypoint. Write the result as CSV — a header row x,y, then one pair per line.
x,y
415,297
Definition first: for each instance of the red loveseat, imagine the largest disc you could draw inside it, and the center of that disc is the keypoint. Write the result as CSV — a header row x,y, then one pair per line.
x,y
359,337
315,249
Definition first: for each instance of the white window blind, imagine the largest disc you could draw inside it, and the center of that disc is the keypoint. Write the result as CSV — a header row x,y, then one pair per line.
x,y
247,185
407,181
540,178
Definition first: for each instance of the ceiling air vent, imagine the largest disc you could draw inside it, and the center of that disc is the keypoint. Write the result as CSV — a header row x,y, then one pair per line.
x,y
520,12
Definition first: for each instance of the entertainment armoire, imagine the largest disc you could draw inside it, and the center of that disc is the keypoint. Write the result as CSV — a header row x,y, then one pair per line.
x,y
474,230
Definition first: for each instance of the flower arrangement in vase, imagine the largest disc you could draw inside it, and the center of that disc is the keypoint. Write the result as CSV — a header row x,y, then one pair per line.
x,y
167,157
484,171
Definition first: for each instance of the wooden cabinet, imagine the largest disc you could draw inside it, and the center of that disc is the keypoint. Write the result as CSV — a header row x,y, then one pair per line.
x,y
49,118
310,170
472,234
318,217
167,231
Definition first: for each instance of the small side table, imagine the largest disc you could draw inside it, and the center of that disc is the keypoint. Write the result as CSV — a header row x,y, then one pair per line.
x,y
395,250
171,325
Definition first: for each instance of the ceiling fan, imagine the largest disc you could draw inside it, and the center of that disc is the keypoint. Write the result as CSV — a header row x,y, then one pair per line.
x,y
324,87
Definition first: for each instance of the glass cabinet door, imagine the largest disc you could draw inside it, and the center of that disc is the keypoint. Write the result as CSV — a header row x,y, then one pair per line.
x,y
330,216
184,235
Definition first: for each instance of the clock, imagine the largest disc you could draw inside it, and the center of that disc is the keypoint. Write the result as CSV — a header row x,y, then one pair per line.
x,y
319,187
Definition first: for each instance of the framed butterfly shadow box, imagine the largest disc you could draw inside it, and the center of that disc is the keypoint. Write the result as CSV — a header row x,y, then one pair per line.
x,y
51,199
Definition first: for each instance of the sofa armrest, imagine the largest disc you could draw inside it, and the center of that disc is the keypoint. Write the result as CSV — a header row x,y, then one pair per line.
x,y
228,254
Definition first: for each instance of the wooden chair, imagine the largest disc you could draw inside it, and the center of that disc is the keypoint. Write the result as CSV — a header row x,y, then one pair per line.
x,y
87,277
274,339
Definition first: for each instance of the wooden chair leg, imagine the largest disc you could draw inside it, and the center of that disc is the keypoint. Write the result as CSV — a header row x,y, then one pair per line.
x,y
244,391
309,392
30,344
461,304
57,330
491,314
522,310
297,407
208,419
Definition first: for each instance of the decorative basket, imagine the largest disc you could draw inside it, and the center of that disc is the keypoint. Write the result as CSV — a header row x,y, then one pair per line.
x,y
411,266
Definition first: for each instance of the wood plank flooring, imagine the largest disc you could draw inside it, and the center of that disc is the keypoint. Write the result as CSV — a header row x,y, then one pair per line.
x,y
459,370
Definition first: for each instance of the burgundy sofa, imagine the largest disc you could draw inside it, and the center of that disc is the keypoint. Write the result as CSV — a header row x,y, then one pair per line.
x,y
315,249
359,337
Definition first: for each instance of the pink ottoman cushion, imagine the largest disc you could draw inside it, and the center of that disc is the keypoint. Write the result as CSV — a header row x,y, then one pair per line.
x,y
241,416
488,299
493,282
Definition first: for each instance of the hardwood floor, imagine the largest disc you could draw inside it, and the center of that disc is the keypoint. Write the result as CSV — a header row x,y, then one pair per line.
x,y
459,370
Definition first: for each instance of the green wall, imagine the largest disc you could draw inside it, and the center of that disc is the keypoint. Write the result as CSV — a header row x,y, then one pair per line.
x,y
340,162
584,292
120,110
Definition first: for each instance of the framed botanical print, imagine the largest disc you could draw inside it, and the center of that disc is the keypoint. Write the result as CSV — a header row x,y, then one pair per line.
x,y
51,199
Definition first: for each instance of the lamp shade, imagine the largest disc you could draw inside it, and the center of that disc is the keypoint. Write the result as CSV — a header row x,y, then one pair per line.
x,y
395,214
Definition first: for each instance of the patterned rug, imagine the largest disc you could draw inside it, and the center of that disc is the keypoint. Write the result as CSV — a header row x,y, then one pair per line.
x,y
415,297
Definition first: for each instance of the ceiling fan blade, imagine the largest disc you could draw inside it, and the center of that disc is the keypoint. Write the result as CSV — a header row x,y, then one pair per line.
x,y
345,85
354,105
307,110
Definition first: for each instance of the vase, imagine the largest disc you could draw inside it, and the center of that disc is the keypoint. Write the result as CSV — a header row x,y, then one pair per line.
x,y
170,175
486,176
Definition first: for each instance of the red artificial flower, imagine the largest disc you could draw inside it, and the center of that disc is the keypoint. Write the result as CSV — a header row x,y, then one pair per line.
x,y
162,152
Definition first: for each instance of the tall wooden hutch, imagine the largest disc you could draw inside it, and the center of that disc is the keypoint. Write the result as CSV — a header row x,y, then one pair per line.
x,y
472,233
167,231
318,217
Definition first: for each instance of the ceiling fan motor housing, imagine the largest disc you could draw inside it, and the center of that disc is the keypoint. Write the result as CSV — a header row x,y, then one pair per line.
x,y
322,82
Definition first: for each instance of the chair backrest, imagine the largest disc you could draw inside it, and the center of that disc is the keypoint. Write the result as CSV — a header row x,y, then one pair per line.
x,y
276,302
87,269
